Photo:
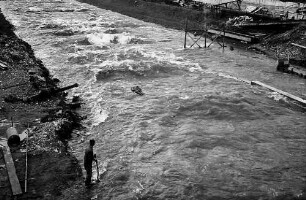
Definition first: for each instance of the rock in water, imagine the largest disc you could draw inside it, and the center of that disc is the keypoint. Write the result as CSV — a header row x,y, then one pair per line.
x,y
137,90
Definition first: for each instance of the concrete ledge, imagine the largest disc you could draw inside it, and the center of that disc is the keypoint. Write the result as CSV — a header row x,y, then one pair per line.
x,y
300,100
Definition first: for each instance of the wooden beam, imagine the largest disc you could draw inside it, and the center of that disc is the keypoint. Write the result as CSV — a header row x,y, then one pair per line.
x,y
233,35
195,41
275,23
298,45
302,101
11,171
226,3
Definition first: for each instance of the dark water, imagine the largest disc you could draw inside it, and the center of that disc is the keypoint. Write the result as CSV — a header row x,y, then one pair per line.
x,y
197,133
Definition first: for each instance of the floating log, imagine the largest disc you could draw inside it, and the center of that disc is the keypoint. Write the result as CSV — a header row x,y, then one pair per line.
x,y
43,94
300,100
66,88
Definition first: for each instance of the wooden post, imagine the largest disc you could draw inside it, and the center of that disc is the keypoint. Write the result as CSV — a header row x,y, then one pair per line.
x,y
205,36
223,39
26,167
288,58
205,28
186,26
239,4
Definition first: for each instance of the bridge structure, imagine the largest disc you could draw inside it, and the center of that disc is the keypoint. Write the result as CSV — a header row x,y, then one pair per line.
x,y
197,34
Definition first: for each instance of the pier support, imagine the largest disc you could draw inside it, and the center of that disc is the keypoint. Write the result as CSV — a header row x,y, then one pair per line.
x,y
197,34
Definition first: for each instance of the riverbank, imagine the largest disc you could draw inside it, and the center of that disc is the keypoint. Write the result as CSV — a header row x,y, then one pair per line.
x,y
30,96
175,17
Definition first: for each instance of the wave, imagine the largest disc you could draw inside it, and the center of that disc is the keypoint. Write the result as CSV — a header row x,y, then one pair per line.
x,y
136,69
113,36
66,32
52,26
136,63
35,9
86,57
278,97
230,108
82,41
113,31
106,39
99,115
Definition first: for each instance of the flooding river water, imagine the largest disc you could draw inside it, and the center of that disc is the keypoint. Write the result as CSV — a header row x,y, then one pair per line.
x,y
197,133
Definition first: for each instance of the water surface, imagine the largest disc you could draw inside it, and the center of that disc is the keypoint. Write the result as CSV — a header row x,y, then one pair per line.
x,y
197,133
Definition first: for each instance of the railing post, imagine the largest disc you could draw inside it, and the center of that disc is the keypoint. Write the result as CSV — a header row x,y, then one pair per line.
x,y
223,38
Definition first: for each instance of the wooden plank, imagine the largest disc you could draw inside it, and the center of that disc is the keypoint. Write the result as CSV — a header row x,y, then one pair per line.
x,y
276,23
302,101
226,3
216,3
11,171
298,45
232,35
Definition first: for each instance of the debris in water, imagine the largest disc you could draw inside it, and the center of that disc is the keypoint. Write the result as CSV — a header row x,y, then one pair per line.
x,y
137,90
3,66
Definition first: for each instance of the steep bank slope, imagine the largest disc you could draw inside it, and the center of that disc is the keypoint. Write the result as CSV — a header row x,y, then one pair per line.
x,y
22,77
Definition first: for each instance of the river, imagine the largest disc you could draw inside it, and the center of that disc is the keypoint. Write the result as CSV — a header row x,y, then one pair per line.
x,y
197,133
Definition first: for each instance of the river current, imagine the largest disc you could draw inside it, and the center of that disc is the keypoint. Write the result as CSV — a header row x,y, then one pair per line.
x,y
199,132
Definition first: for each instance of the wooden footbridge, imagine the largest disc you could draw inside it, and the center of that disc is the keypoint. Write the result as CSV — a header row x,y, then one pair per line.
x,y
211,35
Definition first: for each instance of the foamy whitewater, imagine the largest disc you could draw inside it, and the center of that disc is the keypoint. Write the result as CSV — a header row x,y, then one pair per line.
x,y
200,131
